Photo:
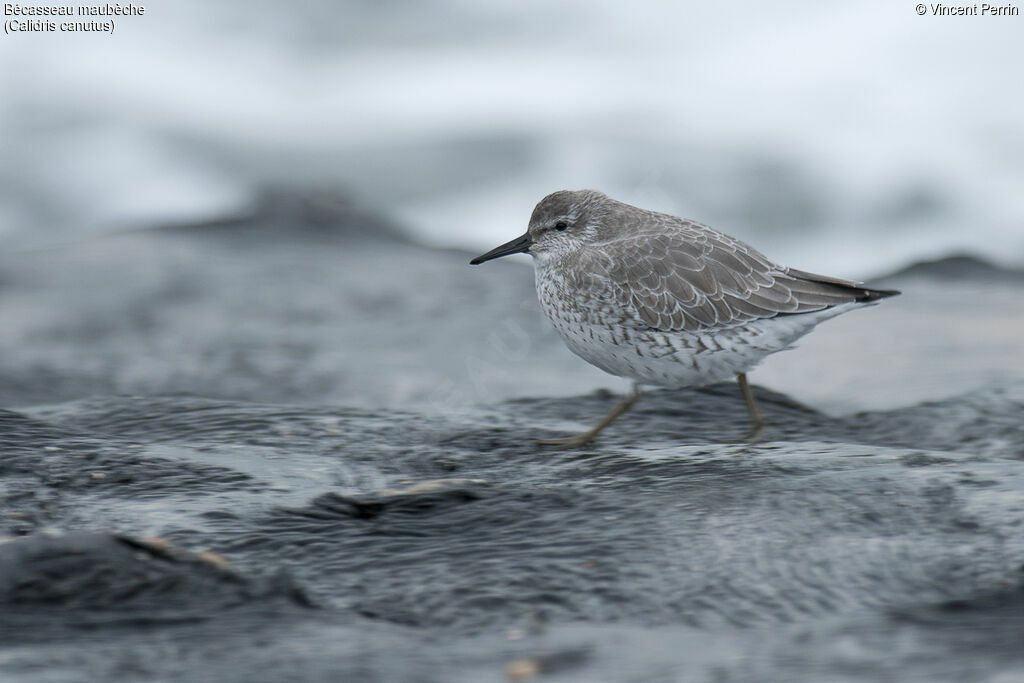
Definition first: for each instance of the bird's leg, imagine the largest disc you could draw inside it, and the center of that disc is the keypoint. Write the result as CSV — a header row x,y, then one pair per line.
x,y
757,422
588,436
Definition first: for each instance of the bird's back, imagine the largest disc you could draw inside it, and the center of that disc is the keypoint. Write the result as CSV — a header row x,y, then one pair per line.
x,y
677,275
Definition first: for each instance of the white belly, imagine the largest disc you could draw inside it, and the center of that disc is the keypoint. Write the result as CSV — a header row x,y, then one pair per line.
x,y
610,341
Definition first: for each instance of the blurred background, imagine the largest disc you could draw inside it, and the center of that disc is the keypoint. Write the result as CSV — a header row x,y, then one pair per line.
x,y
844,138
223,326
852,140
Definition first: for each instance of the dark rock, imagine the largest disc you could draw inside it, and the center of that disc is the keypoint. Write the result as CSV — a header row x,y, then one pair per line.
x,y
312,399
960,267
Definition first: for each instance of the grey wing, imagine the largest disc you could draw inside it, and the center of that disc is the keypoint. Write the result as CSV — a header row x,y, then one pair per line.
x,y
694,277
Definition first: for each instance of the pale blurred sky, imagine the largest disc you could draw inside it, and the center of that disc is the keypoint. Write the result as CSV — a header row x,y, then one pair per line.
x,y
833,124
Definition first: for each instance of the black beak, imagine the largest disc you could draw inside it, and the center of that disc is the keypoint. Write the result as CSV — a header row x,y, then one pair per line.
x,y
517,246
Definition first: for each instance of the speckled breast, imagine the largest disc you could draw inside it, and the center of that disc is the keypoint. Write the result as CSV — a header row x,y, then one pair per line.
x,y
609,334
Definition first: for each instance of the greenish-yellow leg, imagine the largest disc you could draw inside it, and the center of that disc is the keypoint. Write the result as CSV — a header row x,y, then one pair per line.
x,y
757,422
588,436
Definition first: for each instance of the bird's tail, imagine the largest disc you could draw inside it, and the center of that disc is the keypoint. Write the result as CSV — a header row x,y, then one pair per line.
x,y
853,289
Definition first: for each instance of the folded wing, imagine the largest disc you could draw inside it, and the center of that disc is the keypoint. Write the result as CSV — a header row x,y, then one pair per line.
x,y
694,277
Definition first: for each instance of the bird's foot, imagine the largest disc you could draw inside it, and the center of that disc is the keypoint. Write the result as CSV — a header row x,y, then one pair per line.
x,y
566,443
588,436
753,435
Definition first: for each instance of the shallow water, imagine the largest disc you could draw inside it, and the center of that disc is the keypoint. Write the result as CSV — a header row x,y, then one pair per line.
x,y
355,443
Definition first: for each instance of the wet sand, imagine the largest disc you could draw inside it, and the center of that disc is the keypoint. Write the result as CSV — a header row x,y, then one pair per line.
x,y
331,431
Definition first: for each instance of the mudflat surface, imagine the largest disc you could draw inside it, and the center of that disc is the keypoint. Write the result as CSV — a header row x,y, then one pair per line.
x,y
295,445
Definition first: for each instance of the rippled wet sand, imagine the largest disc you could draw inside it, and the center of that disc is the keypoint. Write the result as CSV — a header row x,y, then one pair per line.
x,y
243,452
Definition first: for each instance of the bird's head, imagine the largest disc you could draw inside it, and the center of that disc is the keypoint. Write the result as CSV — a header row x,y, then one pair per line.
x,y
562,223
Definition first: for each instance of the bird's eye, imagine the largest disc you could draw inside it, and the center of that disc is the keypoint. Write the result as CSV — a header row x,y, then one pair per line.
x,y
561,225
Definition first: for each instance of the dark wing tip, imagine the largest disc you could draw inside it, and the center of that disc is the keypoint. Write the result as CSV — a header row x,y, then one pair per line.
x,y
842,286
875,294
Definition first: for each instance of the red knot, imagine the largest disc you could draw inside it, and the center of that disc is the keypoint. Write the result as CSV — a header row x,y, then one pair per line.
x,y
666,301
